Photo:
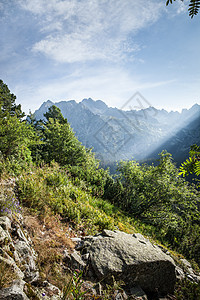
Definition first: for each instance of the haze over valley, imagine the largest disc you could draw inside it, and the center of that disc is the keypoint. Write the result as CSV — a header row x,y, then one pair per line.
x,y
116,134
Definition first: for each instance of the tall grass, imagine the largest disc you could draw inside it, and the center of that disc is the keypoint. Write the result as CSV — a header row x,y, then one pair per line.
x,y
52,187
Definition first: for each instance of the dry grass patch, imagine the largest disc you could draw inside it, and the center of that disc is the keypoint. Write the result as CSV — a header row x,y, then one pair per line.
x,y
49,241
7,275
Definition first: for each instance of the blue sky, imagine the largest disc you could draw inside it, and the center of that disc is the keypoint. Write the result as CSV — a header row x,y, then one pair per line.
x,y
103,49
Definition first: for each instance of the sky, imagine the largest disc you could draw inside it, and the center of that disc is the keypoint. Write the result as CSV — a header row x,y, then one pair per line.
x,y
102,49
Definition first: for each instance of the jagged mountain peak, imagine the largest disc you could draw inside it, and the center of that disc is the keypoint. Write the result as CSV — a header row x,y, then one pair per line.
x,y
115,134
96,106
47,103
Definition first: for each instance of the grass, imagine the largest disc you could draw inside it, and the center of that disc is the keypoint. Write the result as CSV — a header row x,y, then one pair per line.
x,y
51,188
49,240
54,204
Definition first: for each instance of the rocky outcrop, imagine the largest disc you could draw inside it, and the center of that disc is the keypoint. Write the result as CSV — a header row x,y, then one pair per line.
x,y
17,250
14,292
133,259
146,269
17,254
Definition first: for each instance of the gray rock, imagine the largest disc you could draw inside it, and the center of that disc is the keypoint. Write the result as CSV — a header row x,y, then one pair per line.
x,y
66,255
133,259
120,295
76,240
15,292
186,263
3,236
189,272
138,293
76,261
5,223
10,262
179,273
47,291
27,258
85,256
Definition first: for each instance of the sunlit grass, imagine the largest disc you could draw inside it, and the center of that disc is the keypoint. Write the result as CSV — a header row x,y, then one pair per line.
x,y
51,187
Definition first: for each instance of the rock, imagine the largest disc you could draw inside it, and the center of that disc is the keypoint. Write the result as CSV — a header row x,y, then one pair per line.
x,y
10,262
5,223
22,236
15,292
76,239
120,295
48,291
137,293
74,260
85,256
89,287
185,263
133,259
179,273
190,273
3,236
27,258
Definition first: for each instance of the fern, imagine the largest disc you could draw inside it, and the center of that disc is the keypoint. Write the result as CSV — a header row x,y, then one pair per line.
x,y
197,168
193,9
192,164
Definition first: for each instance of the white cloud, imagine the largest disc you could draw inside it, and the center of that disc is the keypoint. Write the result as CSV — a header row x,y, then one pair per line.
x,y
178,7
182,7
90,29
114,86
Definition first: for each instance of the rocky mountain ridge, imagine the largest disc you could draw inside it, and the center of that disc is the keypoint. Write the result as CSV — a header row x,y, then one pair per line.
x,y
116,134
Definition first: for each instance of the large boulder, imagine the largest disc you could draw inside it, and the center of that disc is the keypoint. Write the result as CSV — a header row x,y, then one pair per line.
x,y
133,259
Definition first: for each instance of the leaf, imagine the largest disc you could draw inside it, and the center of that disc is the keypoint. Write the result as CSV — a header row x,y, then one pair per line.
x,y
194,8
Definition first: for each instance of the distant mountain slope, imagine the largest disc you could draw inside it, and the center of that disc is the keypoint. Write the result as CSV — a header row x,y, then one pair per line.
x,y
179,143
135,134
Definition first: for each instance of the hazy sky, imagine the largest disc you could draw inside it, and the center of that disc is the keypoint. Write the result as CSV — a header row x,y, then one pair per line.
x,y
103,49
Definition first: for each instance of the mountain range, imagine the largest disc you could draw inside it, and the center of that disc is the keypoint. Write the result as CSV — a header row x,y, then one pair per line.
x,y
122,134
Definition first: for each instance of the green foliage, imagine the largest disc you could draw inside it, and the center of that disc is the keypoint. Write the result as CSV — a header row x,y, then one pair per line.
x,y
186,289
61,144
16,137
51,187
74,287
59,141
192,164
193,8
89,173
55,113
9,205
160,198
7,103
